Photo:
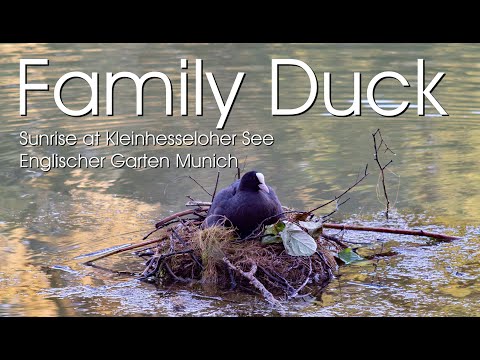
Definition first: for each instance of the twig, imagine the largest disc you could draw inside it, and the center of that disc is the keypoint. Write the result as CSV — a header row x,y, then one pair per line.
x,y
199,215
145,252
381,254
183,176
177,215
116,272
159,260
184,243
233,283
176,277
391,231
257,284
196,182
337,206
198,203
277,279
380,166
118,251
216,184
295,294
238,174
159,227
244,163
172,244
358,181
334,239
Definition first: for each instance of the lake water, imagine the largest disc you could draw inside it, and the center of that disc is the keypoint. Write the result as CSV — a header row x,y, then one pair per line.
x,y
49,218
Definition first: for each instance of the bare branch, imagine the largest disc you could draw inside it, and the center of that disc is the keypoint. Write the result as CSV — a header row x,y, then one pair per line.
x,y
198,203
243,168
216,185
257,284
334,239
174,276
159,260
123,249
385,166
184,243
380,166
196,182
342,194
391,231
295,293
324,217
164,221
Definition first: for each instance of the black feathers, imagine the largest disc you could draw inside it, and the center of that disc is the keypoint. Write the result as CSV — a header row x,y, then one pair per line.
x,y
245,204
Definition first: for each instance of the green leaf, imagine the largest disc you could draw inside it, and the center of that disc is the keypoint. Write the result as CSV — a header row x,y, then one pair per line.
x,y
274,229
312,227
297,242
348,256
271,233
271,239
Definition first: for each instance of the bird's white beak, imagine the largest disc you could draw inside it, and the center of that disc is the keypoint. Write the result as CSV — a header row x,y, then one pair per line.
x,y
264,188
262,184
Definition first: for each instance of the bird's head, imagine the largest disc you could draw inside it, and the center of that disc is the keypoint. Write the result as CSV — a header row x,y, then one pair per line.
x,y
253,181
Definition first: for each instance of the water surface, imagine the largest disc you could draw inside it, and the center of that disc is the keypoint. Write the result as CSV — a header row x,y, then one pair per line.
x,y
49,218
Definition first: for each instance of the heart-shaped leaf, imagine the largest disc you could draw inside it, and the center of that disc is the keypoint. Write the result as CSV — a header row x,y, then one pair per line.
x,y
313,227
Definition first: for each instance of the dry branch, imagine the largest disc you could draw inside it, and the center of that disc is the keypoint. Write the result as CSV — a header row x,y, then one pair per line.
x,y
382,168
254,281
390,231
198,203
201,186
178,215
295,293
365,174
118,251
216,185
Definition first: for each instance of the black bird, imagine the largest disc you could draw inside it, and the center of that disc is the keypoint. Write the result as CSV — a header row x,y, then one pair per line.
x,y
245,205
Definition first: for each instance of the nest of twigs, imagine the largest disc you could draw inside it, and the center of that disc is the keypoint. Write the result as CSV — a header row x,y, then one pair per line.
x,y
215,257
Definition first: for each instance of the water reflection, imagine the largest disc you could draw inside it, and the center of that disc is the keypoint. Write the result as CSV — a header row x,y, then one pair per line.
x,y
46,219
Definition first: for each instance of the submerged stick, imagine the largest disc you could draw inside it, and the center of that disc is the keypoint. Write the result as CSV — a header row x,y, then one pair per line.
x,y
391,231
